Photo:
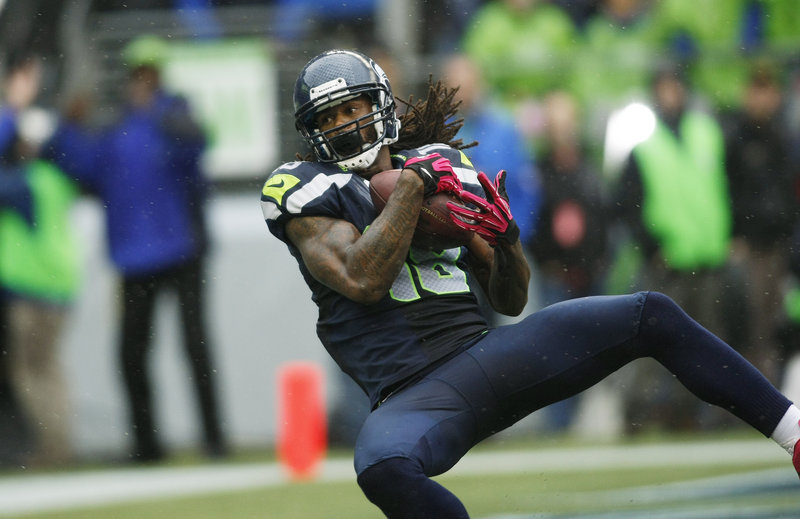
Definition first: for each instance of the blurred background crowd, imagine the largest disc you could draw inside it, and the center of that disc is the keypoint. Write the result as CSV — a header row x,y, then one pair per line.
x,y
650,144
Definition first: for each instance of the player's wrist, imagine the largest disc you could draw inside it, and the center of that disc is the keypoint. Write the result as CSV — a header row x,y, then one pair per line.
x,y
510,236
428,182
436,173
411,178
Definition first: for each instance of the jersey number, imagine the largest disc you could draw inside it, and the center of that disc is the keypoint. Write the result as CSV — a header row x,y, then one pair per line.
x,y
433,272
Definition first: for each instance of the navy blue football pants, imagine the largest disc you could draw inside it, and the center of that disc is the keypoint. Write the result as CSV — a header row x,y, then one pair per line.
x,y
553,354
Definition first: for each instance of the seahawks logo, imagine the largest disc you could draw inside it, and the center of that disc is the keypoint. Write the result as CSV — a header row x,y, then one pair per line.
x,y
276,186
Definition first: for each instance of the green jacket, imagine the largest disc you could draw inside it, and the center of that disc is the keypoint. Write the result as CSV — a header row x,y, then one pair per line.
x,y
686,204
716,30
612,63
41,261
521,52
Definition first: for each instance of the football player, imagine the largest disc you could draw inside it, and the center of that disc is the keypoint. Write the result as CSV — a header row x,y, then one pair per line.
x,y
404,323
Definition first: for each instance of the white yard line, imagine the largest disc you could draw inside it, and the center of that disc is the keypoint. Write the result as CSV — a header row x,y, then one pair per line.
x,y
41,493
629,456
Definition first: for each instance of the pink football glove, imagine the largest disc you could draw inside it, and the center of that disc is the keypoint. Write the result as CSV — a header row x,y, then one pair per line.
x,y
492,221
436,173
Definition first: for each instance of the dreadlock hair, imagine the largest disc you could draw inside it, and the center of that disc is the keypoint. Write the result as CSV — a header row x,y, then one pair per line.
x,y
430,120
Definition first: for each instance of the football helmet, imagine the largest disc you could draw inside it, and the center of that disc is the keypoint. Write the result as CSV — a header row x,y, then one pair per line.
x,y
334,77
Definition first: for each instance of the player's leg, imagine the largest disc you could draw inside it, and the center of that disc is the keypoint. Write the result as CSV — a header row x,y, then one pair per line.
x,y
420,432
707,366
558,352
718,374
569,347
402,491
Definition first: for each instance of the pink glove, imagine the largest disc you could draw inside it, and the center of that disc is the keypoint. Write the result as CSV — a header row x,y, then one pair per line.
x,y
492,220
436,173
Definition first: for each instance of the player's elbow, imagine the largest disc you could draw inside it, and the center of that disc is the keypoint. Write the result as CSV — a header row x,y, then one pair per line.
x,y
367,294
511,308
368,299
510,301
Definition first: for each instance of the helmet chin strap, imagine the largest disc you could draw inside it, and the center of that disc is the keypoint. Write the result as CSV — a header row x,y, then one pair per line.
x,y
362,160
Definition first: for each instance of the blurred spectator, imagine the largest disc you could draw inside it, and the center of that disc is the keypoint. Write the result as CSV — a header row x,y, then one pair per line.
x,y
613,60
39,277
500,145
32,25
720,41
789,330
198,16
569,247
21,78
581,11
523,47
445,22
399,76
145,170
765,210
349,24
674,196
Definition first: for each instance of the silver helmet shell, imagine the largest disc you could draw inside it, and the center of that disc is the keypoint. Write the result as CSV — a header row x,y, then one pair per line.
x,y
334,77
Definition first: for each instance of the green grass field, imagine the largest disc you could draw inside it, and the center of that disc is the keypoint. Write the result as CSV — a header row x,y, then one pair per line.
x,y
632,480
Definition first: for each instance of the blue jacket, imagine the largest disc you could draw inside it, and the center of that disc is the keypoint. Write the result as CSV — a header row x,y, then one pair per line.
x,y
15,193
502,146
145,170
8,127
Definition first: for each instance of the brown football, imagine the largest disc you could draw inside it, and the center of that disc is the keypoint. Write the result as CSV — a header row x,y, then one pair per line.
x,y
435,229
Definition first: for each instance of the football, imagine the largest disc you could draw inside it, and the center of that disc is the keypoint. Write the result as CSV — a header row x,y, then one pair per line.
x,y
435,229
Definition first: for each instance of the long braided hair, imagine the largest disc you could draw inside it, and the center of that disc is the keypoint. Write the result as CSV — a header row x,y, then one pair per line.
x,y
431,120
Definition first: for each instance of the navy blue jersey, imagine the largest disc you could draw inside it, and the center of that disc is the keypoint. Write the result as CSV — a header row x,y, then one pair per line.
x,y
430,312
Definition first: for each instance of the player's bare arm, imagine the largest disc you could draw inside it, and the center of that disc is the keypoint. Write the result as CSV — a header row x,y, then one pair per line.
x,y
502,272
362,267
498,260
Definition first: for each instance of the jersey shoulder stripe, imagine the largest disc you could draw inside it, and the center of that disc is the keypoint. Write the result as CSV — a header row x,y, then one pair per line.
x,y
314,189
303,188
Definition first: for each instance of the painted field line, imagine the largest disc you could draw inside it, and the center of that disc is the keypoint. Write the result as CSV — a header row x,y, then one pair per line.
x,y
39,493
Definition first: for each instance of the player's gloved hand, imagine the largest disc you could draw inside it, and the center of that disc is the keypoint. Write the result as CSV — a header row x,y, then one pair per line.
x,y
436,173
492,220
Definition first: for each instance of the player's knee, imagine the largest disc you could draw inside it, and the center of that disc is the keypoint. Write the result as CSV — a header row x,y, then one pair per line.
x,y
402,491
389,480
659,304
663,320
